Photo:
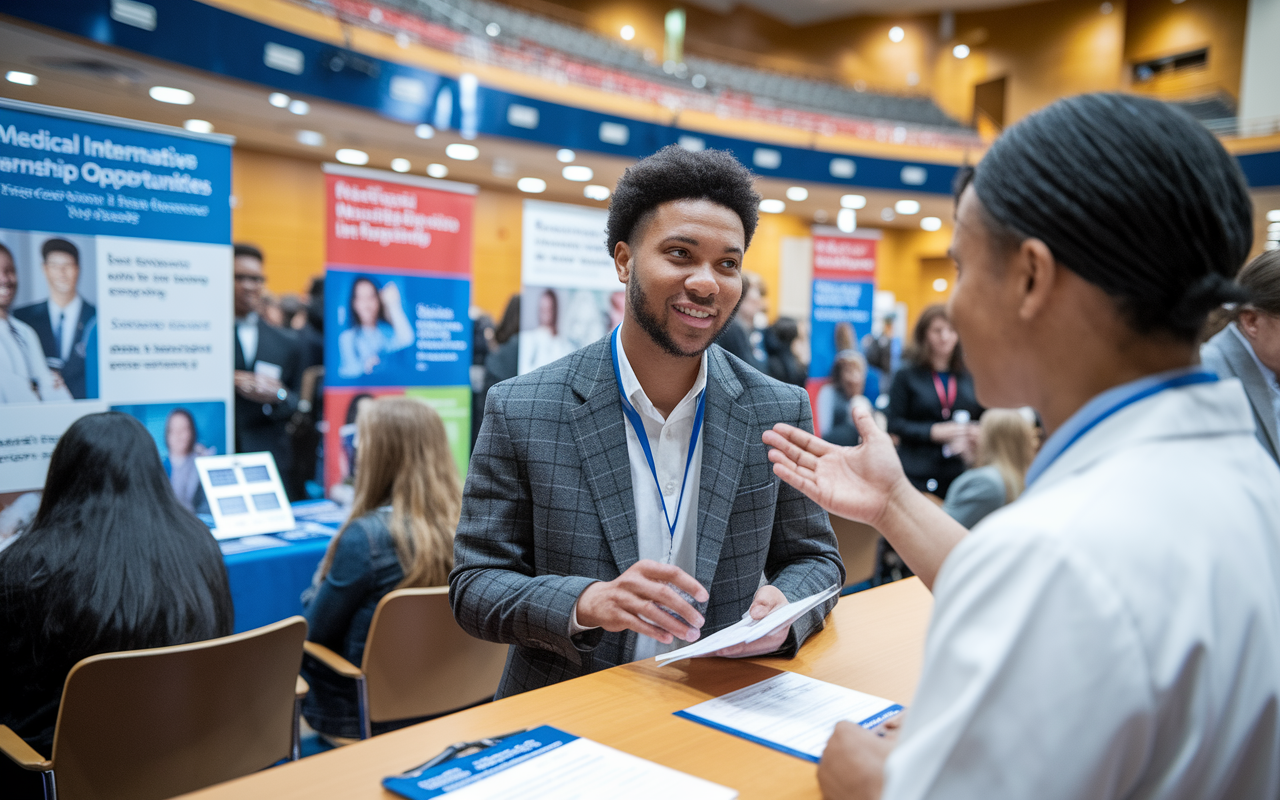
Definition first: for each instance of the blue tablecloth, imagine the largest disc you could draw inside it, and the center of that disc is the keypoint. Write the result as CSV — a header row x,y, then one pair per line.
x,y
269,573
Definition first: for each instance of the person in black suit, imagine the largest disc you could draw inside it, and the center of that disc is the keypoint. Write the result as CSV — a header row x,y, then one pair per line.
x,y
932,405
63,321
268,370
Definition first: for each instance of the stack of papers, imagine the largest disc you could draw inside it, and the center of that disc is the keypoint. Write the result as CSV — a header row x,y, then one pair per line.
x,y
546,763
749,630
792,713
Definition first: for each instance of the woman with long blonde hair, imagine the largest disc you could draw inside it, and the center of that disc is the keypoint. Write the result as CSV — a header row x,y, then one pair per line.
x,y
400,534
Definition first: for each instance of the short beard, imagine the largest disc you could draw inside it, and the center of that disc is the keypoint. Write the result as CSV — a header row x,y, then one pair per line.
x,y
637,303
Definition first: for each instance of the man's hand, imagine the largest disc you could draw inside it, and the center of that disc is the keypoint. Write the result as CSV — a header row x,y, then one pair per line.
x,y
767,600
630,602
257,388
852,766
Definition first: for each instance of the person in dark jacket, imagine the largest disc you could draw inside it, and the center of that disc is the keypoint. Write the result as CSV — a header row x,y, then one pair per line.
x,y
400,534
111,562
782,363
932,405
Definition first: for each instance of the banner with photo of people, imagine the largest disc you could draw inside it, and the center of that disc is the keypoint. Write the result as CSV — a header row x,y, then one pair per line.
x,y
844,274
570,295
115,285
397,294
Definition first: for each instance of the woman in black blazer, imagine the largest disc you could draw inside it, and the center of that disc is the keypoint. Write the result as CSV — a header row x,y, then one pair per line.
x,y
932,405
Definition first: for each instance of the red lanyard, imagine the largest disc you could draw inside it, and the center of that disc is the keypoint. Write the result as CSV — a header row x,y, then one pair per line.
x,y
947,395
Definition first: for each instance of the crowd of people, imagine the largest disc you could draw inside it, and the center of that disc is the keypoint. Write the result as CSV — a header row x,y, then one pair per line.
x,y
1111,628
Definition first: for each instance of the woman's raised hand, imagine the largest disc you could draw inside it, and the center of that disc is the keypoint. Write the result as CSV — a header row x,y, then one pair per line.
x,y
852,482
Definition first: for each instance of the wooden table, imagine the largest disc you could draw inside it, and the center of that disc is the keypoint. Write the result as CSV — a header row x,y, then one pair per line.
x,y
873,642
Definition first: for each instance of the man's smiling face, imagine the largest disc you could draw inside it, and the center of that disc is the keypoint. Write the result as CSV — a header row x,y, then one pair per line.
x,y
684,276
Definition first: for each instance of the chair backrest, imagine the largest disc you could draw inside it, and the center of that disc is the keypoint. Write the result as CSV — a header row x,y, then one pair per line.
x,y
155,723
857,542
418,662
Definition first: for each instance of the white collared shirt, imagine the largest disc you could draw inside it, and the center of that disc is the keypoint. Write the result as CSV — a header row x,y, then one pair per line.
x,y
1268,376
62,321
669,443
24,374
247,333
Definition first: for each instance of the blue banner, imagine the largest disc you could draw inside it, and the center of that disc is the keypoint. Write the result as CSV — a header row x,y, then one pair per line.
x,y
76,176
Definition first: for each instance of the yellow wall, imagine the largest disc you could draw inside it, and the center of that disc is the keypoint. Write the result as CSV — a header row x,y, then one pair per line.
x,y
764,257
495,261
1157,28
902,266
280,208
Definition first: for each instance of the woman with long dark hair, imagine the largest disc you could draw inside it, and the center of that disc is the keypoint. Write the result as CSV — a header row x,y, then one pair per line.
x,y
377,327
111,562
931,403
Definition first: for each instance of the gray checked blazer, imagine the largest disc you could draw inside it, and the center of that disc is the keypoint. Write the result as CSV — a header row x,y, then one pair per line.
x,y
547,510
1227,356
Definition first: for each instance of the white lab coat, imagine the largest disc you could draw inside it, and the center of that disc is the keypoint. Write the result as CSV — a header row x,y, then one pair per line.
x,y
1115,632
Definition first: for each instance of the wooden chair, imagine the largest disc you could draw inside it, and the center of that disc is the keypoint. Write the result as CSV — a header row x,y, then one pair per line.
x,y
151,724
417,661
857,542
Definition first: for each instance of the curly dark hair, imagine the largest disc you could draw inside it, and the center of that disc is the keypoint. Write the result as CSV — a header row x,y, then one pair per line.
x,y
674,173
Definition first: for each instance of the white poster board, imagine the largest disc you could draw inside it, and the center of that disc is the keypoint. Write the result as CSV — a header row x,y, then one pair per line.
x,y
245,495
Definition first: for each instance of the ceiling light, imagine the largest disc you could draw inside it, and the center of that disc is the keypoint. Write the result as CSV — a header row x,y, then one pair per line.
x,y
462,152
278,99
299,107
847,220
437,170
577,172
424,131
356,158
1275,226
907,207
1273,215
532,185
493,29
1274,236
628,33
887,214
896,34
939,284
400,164
853,201
797,193
168,94
960,51
311,138
198,125
820,215
1106,8
565,156
24,78
772,206
931,223
699,81
595,192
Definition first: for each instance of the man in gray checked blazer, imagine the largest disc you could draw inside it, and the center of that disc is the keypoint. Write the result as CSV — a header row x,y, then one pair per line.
x,y
557,552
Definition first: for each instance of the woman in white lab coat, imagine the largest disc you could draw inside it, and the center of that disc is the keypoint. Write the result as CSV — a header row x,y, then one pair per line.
x,y
1115,632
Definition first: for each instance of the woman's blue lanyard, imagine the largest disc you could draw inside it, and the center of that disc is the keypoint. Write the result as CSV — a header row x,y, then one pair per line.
x,y
1053,452
637,425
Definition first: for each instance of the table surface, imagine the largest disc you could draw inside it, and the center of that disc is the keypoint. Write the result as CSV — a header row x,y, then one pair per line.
x,y
873,642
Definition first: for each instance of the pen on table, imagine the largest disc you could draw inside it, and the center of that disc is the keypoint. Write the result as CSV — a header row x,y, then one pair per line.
x,y
458,747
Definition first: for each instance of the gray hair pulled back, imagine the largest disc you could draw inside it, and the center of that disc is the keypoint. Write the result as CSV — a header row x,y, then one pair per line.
x,y
1132,195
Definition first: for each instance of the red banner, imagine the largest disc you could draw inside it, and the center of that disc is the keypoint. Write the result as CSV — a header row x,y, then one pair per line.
x,y
844,258
375,223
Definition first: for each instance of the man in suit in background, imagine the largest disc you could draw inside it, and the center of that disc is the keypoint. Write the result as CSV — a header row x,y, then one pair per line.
x,y
63,321
268,369
606,483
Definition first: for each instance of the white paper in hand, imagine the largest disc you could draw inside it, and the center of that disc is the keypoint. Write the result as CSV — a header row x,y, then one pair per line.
x,y
749,630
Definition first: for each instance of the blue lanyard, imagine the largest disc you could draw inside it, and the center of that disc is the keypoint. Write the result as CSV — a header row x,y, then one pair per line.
x,y
637,425
1052,452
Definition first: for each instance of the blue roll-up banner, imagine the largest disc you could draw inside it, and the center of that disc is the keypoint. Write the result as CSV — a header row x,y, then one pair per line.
x,y
115,286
